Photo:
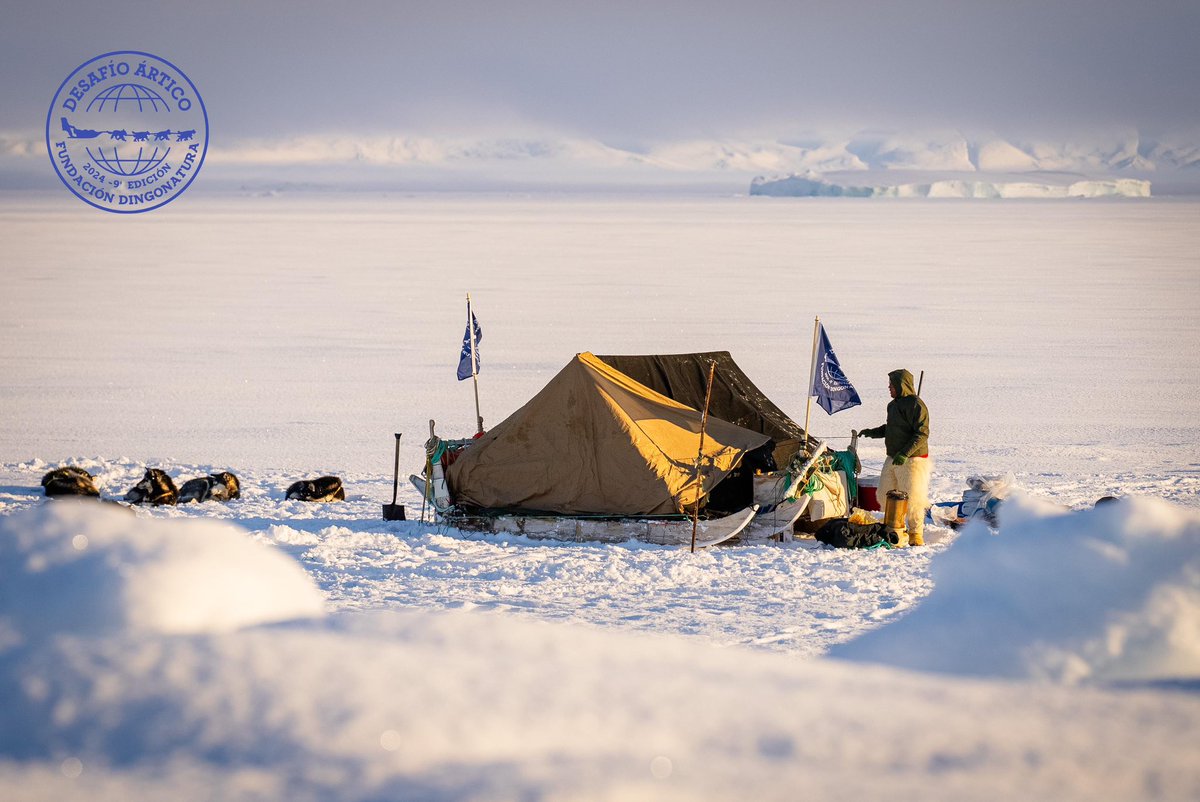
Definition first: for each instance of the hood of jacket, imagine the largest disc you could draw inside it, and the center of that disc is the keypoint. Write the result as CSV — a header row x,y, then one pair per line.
x,y
902,380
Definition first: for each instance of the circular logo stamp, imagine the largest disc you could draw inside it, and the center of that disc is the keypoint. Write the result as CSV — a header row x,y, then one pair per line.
x,y
127,132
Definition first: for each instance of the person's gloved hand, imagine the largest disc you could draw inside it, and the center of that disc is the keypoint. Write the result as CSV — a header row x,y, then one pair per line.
x,y
899,459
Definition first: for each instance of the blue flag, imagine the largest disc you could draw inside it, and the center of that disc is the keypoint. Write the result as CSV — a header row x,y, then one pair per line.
x,y
833,390
464,360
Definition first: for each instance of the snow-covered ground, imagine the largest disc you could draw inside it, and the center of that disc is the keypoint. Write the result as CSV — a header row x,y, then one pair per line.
x,y
287,337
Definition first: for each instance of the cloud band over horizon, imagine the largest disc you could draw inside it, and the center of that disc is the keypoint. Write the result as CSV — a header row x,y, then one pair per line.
x,y
634,75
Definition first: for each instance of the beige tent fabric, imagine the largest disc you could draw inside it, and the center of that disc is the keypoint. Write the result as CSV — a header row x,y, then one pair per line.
x,y
594,441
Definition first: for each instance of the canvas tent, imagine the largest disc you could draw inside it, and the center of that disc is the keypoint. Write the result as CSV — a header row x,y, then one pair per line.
x,y
684,378
596,442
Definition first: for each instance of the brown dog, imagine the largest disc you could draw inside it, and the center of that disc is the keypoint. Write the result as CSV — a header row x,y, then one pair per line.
x,y
69,481
222,486
323,488
155,488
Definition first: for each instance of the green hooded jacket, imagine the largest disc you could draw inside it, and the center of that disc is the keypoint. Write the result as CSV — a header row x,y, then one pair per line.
x,y
907,429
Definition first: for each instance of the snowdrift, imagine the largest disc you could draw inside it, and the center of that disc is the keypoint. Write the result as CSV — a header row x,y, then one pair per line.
x,y
1107,594
92,568
484,706
141,663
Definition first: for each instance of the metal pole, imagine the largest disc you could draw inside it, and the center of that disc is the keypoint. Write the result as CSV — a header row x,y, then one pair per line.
x,y
920,382
712,368
474,375
812,373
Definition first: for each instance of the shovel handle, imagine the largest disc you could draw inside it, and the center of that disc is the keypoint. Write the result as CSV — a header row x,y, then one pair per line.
x,y
396,471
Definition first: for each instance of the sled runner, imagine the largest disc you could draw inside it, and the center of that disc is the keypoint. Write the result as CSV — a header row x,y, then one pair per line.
x,y
675,531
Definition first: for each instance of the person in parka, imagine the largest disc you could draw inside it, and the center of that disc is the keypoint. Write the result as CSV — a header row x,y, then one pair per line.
x,y
906,439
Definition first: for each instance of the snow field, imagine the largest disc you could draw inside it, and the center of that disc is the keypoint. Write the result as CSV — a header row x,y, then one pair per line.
x,y
799,598
283,338
298,333
485,705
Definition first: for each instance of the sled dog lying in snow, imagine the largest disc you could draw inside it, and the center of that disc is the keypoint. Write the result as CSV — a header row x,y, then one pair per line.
x,y
323,488
69,481
222,486
156,488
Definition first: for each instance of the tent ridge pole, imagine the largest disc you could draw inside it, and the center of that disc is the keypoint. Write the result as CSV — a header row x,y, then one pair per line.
x,y
712,369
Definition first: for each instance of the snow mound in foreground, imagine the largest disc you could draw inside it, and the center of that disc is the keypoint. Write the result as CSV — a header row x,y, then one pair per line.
x,y
484,706
1111,593
90,568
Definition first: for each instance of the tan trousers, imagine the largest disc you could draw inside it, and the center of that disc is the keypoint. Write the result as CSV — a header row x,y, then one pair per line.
x,y
913,478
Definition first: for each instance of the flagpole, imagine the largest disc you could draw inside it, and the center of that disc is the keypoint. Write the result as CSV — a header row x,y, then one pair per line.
x,y
474,375
812,372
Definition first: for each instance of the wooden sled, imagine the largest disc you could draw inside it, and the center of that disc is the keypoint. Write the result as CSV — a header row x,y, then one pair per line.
x,y
778,520
656,531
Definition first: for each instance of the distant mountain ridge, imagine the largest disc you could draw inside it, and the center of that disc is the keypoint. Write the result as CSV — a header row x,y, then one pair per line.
x,y
556,159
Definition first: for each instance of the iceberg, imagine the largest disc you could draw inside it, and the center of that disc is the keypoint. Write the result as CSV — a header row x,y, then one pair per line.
x,y
1033,185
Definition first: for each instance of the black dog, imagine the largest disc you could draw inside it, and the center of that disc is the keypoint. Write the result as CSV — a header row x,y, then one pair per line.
x,y
155,488
323,488
222,486
69,481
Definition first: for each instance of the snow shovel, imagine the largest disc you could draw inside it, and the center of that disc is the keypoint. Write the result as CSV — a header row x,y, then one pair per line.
x,y
394,511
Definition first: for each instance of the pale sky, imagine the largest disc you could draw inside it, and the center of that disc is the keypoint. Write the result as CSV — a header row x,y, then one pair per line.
x,y
632,73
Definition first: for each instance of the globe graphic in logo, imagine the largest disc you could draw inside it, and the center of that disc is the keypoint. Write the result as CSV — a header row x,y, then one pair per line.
x,y
130,95
127,163
123,160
